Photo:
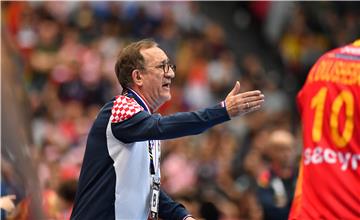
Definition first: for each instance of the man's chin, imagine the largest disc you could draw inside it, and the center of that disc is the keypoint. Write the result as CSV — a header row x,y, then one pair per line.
x,y
167,98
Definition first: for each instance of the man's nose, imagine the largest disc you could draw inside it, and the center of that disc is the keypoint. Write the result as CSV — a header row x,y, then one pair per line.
x,y
170,73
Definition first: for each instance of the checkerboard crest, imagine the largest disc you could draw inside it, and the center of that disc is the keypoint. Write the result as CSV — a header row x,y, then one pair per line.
x,y
124,108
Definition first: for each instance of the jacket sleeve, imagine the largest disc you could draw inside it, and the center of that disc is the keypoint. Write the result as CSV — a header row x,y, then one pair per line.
x,y
169,209
143,126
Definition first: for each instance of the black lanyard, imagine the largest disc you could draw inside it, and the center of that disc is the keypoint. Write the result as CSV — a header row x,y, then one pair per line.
x,y
152,166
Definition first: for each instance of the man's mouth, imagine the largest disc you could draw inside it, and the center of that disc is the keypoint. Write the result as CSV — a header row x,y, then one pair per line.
x,y
166,85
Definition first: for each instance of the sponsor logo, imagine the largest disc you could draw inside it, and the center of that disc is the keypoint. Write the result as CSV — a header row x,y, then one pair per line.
x,y
320,155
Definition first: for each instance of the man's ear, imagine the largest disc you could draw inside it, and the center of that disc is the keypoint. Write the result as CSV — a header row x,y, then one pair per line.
x,y
137,77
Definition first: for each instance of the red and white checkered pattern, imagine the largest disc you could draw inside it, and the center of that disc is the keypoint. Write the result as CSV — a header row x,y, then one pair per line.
x,y
124,108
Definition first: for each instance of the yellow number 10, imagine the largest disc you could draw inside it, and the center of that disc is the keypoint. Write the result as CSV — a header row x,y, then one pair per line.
x,y
318,103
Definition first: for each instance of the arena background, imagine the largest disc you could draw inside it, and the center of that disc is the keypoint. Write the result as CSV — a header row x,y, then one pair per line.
x,y
57,63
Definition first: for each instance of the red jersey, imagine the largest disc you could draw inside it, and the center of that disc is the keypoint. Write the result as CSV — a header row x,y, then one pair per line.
x,y
328,185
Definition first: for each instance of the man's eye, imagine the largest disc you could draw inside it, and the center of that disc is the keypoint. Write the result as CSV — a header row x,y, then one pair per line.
x,y
160,66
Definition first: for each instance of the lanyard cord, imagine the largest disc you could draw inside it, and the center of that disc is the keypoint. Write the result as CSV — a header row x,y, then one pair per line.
x,y
152,166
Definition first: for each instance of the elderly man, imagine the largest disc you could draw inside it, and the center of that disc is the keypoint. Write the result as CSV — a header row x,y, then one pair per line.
x,y
120,176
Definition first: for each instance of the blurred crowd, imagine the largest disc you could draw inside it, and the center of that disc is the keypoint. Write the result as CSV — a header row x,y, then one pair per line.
x,y
245,169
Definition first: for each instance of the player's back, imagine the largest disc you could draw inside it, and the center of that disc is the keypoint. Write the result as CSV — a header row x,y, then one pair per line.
x,y
328,185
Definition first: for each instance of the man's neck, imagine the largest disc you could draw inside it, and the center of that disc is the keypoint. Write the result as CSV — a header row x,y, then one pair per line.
x,y
151,106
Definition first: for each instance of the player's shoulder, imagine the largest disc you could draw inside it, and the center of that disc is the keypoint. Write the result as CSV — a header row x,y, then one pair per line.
x,y
352,49
124,108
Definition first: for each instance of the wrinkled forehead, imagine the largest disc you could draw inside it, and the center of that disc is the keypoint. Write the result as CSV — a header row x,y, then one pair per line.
x,y
154,55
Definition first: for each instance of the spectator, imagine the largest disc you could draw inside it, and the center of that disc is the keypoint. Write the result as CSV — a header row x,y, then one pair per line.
x,y
277,183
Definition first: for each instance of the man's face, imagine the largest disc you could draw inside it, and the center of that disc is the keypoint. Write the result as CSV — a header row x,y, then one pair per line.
x,y
281,148
156,83
283,153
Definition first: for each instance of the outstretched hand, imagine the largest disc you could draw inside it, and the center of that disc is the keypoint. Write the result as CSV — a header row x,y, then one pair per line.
x,y
238,104
7,202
